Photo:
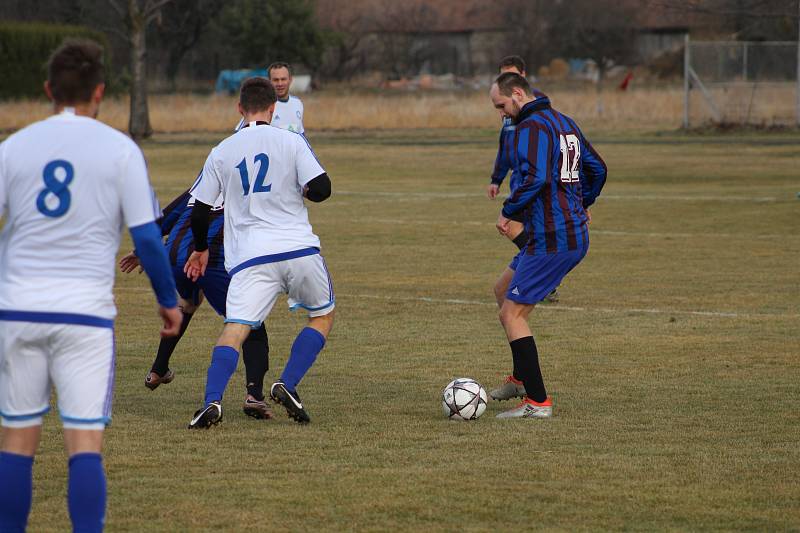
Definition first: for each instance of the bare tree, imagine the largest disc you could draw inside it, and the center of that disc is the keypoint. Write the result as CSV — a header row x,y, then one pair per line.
x,y
138,15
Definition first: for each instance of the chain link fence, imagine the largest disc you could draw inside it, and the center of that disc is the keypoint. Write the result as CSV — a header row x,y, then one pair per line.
x,y
741,83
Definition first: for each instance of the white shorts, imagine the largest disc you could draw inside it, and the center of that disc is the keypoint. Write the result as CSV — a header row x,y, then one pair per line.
x,y
253,291
78,360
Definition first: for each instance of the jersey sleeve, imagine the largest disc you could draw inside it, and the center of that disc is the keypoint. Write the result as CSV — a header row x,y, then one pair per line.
x,y
593,173
302,114
139,202
209,185
501,162
308,166
2,183
532,148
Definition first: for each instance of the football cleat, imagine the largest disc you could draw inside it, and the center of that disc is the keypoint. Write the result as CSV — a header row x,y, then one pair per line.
x,y
291,401
153,380
208,416
257,409
530,409
511,388
552,297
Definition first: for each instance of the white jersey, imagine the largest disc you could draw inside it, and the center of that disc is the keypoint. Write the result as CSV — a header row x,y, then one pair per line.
x,y
67,184
261,171
288,115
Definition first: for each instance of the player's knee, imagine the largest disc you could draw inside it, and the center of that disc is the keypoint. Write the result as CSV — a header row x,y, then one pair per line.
x,y
323,324
187,306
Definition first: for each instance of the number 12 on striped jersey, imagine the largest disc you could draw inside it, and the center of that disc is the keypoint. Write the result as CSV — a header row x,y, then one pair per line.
x,y
263,166
570,158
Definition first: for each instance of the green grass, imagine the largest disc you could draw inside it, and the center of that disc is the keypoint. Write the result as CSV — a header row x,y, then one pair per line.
x,y
672,357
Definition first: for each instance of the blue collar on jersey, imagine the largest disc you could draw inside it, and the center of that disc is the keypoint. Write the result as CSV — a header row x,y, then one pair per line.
x,y
258,123
287,98
541,103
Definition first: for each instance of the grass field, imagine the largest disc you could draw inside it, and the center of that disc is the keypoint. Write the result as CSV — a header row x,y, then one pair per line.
x,y
672,356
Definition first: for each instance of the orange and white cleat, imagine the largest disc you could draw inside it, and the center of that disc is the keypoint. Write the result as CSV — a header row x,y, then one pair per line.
x,y
511,388
530,409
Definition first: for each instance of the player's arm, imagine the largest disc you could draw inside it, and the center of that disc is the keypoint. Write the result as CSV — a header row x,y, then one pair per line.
x,y
173,212
501,163
532,148
312,178
318,189
593,173
2,184
205,191
140,209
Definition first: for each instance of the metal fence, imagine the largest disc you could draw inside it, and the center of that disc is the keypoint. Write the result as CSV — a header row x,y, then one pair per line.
x,y
737,82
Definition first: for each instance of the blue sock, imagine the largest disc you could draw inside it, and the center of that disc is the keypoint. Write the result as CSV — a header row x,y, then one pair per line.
x,y
16,491
304,352
222,367
86,492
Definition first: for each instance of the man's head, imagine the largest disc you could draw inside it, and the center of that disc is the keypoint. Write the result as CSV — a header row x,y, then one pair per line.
x,y
513,64
509,93
76,76
280,74
257,97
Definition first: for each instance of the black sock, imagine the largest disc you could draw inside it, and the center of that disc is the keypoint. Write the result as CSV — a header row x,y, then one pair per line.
x,y
255,353
521,240
526,361
167,346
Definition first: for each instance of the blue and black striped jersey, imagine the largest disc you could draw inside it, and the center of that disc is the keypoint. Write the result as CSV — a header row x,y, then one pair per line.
x,y
177,225
502,163
561,176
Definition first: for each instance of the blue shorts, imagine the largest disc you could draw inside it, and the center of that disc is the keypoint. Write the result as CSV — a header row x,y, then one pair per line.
x,y
214,284
535,276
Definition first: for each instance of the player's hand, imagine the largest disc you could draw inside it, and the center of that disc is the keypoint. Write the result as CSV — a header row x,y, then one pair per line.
x,y
196,265
502,225
588,217
129,263
172,318
492,190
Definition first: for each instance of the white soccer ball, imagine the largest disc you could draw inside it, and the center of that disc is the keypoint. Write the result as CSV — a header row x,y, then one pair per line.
x,y
463,399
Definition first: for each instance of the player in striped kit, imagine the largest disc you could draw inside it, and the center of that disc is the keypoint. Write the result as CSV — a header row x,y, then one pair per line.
x,y
561,176
213,286
67,185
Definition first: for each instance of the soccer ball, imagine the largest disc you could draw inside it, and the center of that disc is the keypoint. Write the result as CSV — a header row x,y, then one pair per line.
x,y
463,399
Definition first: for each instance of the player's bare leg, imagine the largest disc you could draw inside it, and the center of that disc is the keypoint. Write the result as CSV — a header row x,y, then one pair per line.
x,y
21,441
309,342
501,286
514,317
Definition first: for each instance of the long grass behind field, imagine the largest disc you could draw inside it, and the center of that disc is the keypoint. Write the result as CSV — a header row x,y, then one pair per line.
x,y
634,109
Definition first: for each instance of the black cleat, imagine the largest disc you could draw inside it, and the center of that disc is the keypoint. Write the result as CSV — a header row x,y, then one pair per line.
x,y
208,416
294,408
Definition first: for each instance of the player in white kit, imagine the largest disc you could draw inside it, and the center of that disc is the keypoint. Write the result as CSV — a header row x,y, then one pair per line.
x,y
67,185
288,114
263,173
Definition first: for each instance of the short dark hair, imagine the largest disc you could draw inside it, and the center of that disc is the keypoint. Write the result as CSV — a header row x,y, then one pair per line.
x,y
513,61
279,64
74,71
507,81
257,94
